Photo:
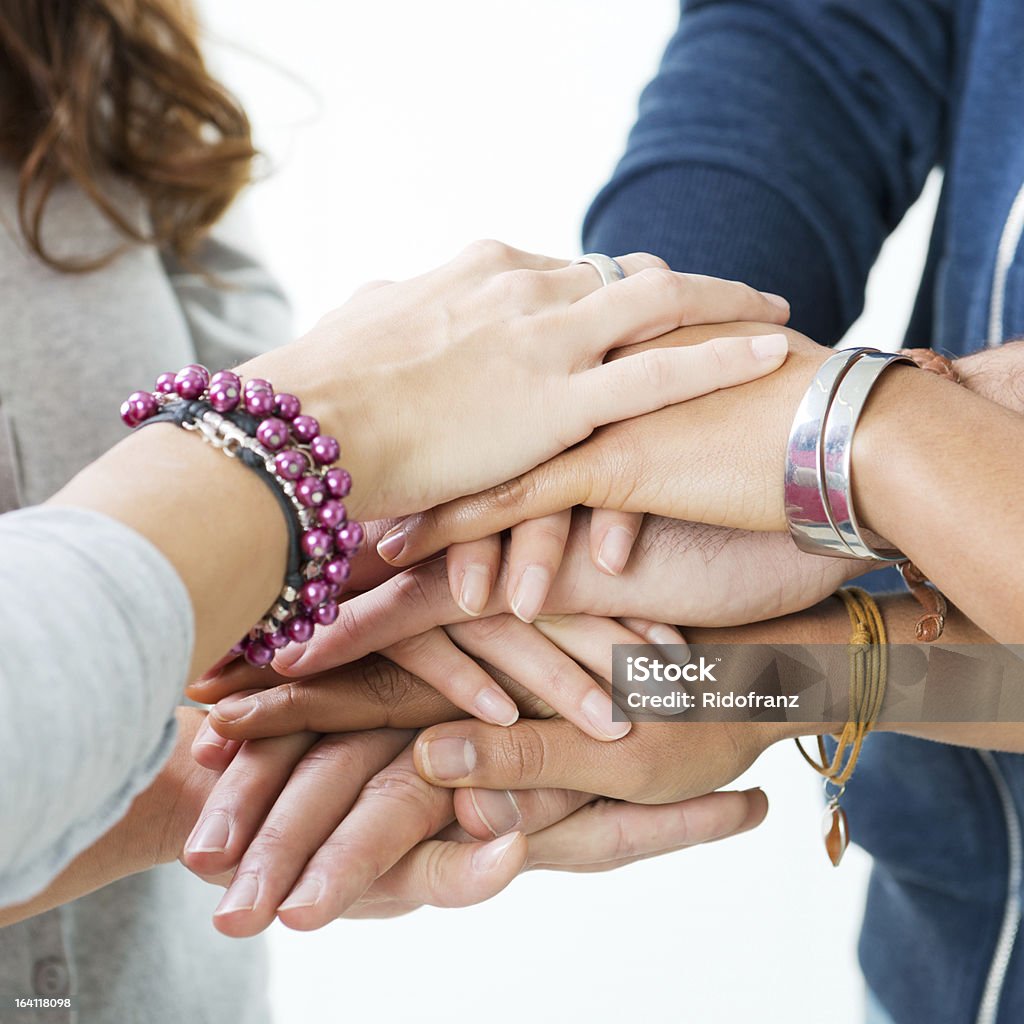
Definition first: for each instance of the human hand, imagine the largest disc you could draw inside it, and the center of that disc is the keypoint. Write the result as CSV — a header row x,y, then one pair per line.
x,y
718,459
309,829
680,572
533,556
466,663
408,374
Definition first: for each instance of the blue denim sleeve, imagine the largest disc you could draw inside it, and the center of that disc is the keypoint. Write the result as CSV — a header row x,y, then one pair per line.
x,y
780,142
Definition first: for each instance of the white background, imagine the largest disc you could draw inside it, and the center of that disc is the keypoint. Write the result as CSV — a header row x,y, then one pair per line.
x,y
396,131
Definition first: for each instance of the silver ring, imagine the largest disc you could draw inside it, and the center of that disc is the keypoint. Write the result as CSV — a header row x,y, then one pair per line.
x,y
608,268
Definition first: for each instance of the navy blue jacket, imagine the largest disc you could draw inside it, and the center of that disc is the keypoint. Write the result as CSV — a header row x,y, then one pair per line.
x,y
780,143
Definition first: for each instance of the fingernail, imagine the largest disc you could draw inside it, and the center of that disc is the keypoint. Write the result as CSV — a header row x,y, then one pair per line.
x,y
597,709
662,635
496,707
615,548
475,590
305,894
530,593
450,757
490,855
210,835
242,895
776,300
769,346
208,736
497,809
391,545
233,709
288,657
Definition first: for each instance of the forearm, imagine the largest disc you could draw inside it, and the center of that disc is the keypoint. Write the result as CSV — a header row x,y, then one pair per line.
x,y
712,182
936,471
214,520
829,623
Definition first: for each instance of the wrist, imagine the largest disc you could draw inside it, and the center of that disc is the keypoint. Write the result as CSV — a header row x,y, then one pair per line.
x,y
165,813
887,458
343,411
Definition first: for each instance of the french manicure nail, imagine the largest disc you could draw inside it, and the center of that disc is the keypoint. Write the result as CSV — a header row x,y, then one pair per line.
x,y
497,809
207,736
662,635
530,593
597,709
614,551
305,894
490,855
242,895
496,707
234,709
447,758
769,346
288,657
210,835
475,589
775,300
391,545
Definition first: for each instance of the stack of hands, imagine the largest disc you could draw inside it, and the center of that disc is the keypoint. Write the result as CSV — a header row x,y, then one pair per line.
x,y
349,781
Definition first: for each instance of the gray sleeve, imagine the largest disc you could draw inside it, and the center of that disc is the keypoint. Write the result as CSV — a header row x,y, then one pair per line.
x,y
234,307
96,637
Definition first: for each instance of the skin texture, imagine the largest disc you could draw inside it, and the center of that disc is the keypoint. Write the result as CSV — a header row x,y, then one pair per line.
x,y
542,329
930,459
645,766
399,847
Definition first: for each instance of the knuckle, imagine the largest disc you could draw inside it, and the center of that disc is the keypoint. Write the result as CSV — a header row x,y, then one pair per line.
x,y
413,647
403,785
510,494
648,260
662,281
489,251
563,680
328,760
519,282
717,357
341,849
491,630
383,682
414,589
345,629
654,369
543,533
272,837
290,700
437,886
518,755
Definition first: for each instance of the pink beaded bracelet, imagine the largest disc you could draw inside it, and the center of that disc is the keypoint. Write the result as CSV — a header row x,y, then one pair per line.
x,y
269,433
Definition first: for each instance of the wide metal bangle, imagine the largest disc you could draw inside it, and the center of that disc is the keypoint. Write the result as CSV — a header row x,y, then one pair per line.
x,y
850,397
806,506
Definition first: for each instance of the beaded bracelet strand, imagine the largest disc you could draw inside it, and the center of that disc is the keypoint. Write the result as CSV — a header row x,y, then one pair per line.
x,y
269,433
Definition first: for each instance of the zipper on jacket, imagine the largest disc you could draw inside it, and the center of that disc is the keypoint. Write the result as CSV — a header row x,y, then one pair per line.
x,y
1009,243
988,1009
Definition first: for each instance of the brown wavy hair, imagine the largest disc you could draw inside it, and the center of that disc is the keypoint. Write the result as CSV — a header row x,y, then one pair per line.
x,y
97,90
